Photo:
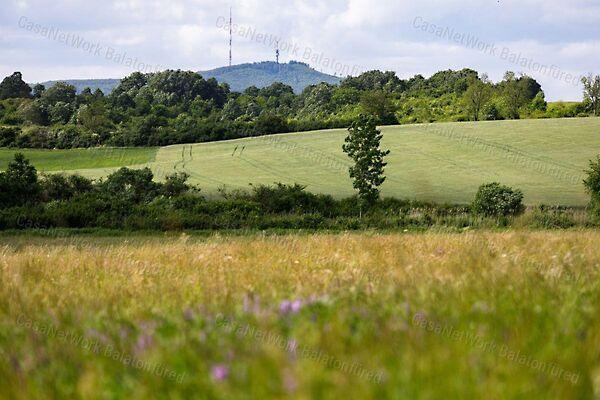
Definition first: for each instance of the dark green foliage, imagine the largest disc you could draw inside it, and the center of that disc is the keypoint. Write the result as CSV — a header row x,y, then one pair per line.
x,y
495,200
362,146
34,112
445,82
378,104
268,124
592,186
375,80
517,92
60,113
19,183
60,92
289,199
175,184
131,185
172,87
63,187
36,137
94,118
13,86
552,218
8,135
38,90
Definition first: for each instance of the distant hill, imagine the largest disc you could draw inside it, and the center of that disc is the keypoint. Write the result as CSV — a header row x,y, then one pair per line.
x,y
296,74
106,85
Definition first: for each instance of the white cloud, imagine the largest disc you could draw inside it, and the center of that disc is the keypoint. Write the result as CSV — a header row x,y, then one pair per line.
x,y
374,35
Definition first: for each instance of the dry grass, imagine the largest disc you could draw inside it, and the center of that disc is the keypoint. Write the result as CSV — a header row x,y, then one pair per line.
x,y
363,299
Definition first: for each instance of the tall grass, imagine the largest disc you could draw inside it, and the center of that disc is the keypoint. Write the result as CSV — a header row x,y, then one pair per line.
x,y
486,315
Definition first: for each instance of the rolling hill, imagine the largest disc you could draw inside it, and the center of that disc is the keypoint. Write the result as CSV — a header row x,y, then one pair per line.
x,y
443,162
296,74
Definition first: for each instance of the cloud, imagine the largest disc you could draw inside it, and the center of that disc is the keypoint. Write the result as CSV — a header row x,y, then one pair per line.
x,y
374,35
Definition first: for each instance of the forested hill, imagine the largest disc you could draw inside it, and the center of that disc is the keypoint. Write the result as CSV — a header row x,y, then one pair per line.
x,y
239,77
295,74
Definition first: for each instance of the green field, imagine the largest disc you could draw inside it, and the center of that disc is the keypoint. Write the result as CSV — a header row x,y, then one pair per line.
x,y
443,162
85,159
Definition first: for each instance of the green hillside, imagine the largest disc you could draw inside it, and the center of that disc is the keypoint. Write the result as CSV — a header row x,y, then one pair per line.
x,y
295,74
443,162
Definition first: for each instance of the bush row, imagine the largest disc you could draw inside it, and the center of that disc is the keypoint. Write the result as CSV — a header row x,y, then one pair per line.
x,y
131,199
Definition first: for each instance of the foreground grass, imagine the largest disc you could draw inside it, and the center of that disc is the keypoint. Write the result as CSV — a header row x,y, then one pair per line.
x,y
487,315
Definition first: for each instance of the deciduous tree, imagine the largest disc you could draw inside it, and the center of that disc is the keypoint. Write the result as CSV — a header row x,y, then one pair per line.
x,y
13,86
477,95
363,146
591,92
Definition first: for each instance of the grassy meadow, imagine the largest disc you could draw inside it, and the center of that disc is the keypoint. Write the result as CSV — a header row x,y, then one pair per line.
x,y
488,315
93,159
442,162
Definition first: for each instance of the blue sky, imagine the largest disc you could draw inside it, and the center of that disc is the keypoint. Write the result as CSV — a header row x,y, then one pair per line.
x,y
551,40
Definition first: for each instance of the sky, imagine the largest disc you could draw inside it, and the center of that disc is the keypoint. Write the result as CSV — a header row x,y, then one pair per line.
x,y
554,41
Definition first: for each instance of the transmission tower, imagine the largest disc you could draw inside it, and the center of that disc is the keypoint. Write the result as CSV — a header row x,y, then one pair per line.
x,y
230,36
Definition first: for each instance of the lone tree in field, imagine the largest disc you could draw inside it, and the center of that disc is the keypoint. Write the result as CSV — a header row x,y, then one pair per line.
x,y
362,145
591,92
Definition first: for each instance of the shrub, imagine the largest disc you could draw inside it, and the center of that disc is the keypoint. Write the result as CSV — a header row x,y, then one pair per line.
x,y
552,218
592,186
63,187
289,199
268,124
495,200
19,183
8,136
175,184
36,137
131,185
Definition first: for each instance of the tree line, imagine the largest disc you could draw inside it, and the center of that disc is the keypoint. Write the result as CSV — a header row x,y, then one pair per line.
x,y
172,107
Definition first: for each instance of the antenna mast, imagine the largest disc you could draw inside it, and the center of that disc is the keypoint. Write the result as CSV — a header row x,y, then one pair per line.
x,y
277,53
230,36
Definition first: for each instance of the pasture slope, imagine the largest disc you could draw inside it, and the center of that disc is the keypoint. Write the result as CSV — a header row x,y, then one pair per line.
x,y
442,162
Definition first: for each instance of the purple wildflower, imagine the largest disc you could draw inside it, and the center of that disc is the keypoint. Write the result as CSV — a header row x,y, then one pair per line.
x,y
219,372
144,341
296,306
290,307
285,307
